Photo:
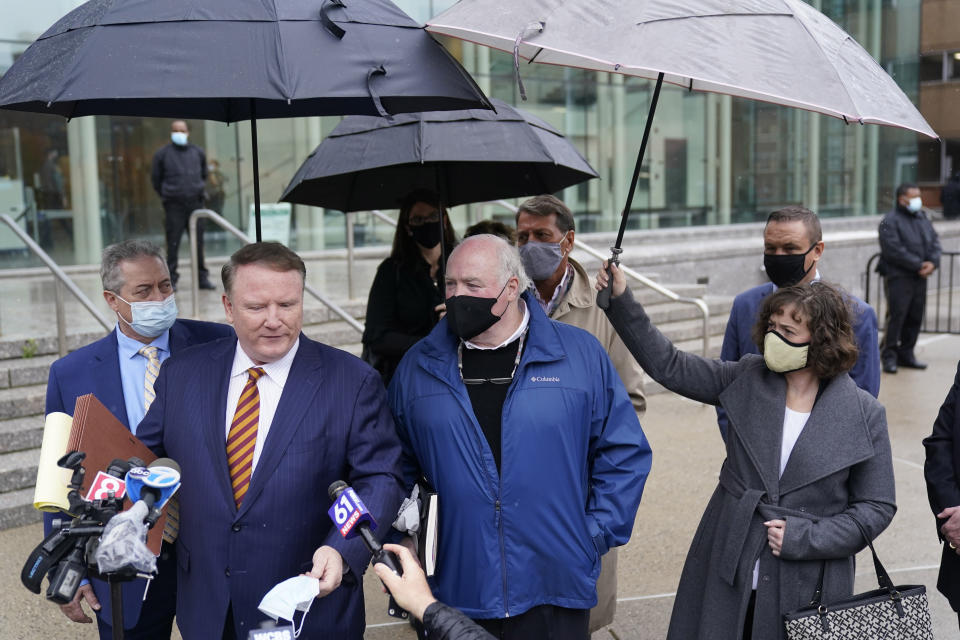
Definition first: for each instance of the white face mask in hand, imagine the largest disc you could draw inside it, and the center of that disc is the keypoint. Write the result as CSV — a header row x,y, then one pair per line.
x,y
291,595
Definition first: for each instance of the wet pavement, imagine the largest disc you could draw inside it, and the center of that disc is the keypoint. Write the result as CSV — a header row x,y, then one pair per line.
x,y
687,457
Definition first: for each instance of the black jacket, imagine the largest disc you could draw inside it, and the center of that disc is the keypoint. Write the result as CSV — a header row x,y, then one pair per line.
x,y
400,311
446,623
179,172
907,240
942,473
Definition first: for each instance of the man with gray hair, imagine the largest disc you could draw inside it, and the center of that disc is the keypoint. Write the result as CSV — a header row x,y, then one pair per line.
x,y
119,370
563,289
525,430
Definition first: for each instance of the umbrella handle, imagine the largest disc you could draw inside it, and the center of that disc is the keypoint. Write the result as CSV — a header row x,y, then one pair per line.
x,y
336,30
603,296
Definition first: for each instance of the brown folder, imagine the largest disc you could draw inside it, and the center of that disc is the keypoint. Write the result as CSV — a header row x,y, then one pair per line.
x,y
97,433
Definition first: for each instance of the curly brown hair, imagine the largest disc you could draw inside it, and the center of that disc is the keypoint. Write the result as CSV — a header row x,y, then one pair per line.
x,y
828,313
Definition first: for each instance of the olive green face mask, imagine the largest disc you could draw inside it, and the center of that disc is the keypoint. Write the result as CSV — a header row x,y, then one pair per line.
x,y
783,356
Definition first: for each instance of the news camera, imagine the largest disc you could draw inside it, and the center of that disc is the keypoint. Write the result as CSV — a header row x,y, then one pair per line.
x,y
67,555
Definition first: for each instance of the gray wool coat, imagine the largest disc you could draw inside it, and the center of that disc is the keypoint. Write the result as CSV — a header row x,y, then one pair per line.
x,y
840,469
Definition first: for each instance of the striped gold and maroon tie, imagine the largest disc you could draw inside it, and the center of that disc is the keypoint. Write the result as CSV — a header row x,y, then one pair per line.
x,y
242,438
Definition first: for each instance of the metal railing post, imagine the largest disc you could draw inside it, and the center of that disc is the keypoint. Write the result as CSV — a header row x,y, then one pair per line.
x,y
225,224
61,318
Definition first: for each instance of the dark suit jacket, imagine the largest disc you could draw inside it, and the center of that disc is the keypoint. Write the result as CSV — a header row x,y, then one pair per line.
x,y
332,423
942,472
95,369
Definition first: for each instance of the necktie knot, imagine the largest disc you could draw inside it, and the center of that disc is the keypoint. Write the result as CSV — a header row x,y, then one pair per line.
x,y
255,373
149,352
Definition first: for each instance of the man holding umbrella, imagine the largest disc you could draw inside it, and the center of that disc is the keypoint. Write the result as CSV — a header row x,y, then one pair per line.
x,y
178,174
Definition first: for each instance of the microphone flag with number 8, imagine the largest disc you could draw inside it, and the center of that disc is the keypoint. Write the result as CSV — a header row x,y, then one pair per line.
x,y
103,484
348,511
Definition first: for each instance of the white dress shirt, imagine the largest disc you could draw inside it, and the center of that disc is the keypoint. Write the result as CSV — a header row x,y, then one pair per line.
x,y
270,387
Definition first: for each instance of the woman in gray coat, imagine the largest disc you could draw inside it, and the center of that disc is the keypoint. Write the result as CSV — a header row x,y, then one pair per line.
x,y
807,455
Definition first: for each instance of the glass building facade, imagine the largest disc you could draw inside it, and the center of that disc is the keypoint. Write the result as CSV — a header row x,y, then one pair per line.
x,y
77,186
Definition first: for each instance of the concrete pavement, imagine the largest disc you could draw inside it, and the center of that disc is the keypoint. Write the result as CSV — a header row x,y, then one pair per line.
x,y
687,457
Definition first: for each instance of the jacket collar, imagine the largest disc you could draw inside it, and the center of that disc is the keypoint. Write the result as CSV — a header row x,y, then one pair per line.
x,y
836,435
543,343
580,295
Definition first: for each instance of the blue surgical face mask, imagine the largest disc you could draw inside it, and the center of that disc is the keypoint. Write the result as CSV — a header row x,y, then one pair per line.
x,y
915,204
150,319
178,137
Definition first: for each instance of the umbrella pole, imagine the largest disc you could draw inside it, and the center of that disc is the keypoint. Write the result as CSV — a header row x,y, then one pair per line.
x,y
441,268
603,297
256,169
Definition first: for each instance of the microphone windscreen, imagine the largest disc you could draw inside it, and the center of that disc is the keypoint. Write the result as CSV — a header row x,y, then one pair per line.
x,y
165,462
336,488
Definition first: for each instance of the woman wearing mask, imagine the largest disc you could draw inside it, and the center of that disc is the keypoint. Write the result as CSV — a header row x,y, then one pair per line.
x,y
406,298
808,457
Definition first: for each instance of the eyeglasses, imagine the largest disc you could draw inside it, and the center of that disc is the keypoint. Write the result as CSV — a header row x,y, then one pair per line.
x,y
422,220
475,381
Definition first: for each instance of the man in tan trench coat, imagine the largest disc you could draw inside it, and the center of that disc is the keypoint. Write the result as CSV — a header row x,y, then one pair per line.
x,y
545,231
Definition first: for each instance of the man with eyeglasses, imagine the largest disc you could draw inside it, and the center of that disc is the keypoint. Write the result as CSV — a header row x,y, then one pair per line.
x,y
525,430
792,249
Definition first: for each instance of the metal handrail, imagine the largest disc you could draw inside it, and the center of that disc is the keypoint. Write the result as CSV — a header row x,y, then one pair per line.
x,y
227,226
934,293
61,279
645,281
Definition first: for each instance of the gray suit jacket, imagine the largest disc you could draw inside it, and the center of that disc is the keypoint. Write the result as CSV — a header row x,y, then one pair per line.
x,y
840,469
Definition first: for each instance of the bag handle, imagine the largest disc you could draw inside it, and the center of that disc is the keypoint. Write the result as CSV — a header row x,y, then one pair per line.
x,y
883,578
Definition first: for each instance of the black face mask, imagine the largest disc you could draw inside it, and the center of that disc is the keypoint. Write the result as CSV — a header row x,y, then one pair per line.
x,y
427,235
786,270
469,316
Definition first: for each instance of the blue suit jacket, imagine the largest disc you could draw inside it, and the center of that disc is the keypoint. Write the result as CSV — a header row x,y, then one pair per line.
x,y
95,369
737,341
332,423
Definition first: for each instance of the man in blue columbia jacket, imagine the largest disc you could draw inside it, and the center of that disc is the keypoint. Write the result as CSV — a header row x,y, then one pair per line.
x,y
523,427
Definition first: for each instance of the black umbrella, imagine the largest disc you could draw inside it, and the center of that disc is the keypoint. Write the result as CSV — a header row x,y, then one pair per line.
x,y
231,60
465,156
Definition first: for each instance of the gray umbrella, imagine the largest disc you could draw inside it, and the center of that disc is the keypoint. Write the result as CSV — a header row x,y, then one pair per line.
x,y
232,60
465,156
779,51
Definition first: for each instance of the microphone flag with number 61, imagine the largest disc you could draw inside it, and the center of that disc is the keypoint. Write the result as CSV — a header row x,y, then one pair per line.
x,y
348,511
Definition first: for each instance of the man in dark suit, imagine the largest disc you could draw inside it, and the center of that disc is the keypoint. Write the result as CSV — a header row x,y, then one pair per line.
x,y
261,425
942,472
909,254
136,285
179,174
792,249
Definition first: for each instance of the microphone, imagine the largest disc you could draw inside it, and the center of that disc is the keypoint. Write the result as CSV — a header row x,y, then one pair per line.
x,y
353,518
122,547
154,485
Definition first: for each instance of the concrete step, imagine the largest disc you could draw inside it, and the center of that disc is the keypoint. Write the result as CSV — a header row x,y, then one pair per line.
x,y
18,470
25,371
22,401
691,329
12,348
20,434
670,312
335,334
16,509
